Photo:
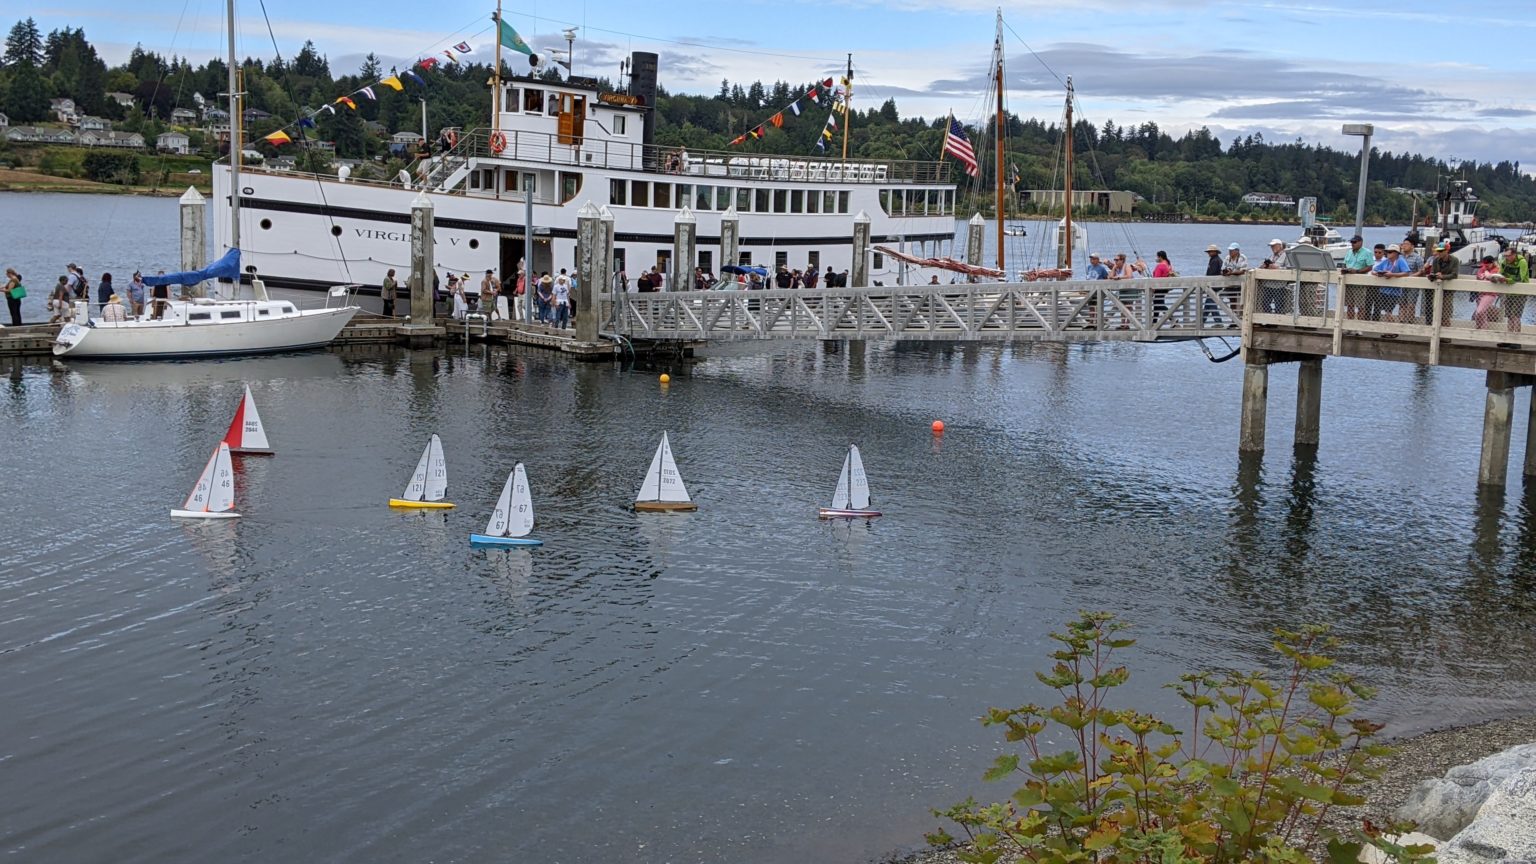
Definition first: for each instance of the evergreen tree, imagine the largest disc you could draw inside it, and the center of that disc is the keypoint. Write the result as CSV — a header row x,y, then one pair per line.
x,y
26,100
24,44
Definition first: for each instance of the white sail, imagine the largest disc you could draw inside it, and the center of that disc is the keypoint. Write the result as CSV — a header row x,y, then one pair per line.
x,y
520,517
222,498
437,472
215,489
662,482
252,433
418,485
858,484
840,497
497,527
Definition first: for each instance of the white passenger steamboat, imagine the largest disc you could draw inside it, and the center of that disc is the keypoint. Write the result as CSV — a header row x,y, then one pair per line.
x,y
567,143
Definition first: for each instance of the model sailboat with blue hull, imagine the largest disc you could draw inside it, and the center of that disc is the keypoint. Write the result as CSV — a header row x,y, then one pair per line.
x,y
512,520
851,499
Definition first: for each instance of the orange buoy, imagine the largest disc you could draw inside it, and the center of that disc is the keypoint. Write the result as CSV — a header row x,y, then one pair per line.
x,y
665,378
938,427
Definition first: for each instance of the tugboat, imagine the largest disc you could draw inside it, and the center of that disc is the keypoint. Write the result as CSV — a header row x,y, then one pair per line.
x,y
1457,222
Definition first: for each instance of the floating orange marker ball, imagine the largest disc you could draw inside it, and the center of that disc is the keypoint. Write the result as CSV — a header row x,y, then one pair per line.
x,y
938,427
665,378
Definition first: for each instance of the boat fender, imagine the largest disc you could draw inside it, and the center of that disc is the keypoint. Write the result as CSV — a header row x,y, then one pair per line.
x,y
498,142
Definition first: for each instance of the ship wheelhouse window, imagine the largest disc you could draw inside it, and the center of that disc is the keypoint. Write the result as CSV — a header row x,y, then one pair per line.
x,y
780,259
639,193
827,202
813,260
760,205
781,201
617,190
511,98
533,100
570,185
743,200
797,201
662,196
723,198
707,260
684,195
842,202
620,124
813,201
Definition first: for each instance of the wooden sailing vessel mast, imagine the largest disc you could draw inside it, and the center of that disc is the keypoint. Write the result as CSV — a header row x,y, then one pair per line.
x,y
1066,245
997,135
847,105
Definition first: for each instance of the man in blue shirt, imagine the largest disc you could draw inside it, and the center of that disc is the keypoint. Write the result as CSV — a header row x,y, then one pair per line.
x,y
1386,299
1096,268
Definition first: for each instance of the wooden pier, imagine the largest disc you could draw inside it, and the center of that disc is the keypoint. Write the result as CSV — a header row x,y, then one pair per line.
x,y
1303,317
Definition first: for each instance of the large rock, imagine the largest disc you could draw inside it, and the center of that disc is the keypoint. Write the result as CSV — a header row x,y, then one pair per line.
x,y
1445,806
1504,830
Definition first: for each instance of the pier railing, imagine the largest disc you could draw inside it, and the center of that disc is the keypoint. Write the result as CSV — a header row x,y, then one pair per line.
x,y
1144,310
1459,311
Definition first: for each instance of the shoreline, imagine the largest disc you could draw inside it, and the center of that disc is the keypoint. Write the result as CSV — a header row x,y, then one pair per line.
x,y
1415,758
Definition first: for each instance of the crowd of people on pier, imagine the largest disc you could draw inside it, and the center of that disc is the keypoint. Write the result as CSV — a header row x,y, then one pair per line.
x,y
74,287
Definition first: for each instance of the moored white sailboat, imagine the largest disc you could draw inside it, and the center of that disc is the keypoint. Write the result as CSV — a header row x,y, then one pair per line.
x,y
429,482
663,490
851,498
213,496
512,520
246,435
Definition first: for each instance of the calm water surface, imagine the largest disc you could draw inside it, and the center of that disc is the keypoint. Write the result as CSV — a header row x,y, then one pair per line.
x,y
329,680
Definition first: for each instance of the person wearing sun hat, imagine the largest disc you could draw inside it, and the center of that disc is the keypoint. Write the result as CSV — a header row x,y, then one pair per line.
x,y
112,311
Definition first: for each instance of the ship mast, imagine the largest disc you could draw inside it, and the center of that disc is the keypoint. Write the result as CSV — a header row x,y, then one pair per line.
x,y
234,137
1068,239
997,134
496,77
847,105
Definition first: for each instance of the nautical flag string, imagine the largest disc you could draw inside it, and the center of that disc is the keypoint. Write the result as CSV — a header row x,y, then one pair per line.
x,y
278,137
368,91
463,48
393,83
777,118
449,55
958,146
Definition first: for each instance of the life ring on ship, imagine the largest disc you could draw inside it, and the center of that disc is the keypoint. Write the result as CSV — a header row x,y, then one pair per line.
x,y
498,142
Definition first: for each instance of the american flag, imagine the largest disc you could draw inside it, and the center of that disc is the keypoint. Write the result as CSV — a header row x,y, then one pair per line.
x,y
956,145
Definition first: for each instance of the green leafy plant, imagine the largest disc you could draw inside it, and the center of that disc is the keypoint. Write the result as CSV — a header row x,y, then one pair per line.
x,y
1266,759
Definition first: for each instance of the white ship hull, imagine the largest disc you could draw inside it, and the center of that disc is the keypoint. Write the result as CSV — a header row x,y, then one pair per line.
x,y
181,335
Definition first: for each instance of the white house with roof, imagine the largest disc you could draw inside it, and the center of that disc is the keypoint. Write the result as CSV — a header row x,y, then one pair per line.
x,y
63,109
88,123
123,140
123,99
39,135
183,116
1269,199
173,142
4,120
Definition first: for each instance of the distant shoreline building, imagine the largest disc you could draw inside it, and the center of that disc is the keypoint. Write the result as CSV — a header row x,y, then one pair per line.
x,y
1269,199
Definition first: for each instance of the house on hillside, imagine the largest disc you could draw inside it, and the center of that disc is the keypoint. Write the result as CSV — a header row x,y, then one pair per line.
x,y
173,142
254,115
88,123
123,99
63,109
122,140
183,116
39,135
1268,199
216,115
4,120
376,128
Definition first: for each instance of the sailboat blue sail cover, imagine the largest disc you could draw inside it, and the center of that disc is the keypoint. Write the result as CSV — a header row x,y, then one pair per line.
x,y
227,267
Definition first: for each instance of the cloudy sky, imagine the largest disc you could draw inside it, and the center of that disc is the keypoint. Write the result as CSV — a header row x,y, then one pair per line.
x,y
1447,79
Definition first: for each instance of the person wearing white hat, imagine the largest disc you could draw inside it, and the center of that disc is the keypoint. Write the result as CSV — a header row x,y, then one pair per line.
x,y
1235,264
1096,268
1277,259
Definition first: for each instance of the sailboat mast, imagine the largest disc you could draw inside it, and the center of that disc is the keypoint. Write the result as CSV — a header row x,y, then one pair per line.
x,y
495,77
1068,241
997,134
847,105
234,137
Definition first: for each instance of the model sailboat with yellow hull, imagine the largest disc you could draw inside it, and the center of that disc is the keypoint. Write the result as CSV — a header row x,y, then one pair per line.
x,y
429,483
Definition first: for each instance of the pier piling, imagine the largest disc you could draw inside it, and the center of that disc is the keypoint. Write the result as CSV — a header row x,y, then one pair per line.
x,y
1498,409
605,264
194,252
684,250
730,237
974,230
1255,404
422,328
859,277
1309,401
589,271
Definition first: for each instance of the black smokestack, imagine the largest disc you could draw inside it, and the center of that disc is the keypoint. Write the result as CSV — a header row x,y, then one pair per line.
x,y
642,84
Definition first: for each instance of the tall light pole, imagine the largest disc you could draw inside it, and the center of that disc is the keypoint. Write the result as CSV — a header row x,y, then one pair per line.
x,y
1364,130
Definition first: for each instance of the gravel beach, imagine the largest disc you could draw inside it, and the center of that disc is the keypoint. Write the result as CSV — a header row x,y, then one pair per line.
x,y
1415,758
